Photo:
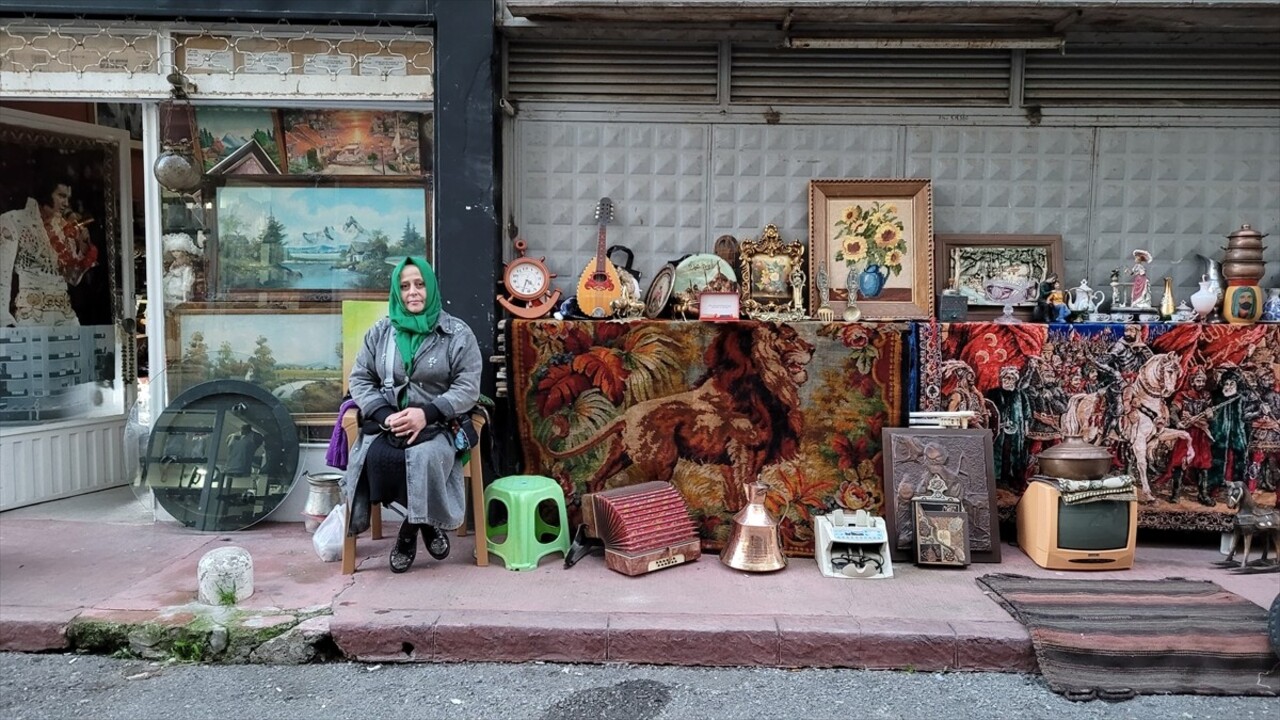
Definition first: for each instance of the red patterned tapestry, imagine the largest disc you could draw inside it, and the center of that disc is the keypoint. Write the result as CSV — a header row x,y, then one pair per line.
x,y
1183,408
709,407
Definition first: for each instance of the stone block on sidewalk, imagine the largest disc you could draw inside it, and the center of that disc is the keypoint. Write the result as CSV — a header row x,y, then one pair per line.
x,y
224,574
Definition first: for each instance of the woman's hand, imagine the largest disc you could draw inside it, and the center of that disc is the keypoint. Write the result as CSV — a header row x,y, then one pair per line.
x,y
407,423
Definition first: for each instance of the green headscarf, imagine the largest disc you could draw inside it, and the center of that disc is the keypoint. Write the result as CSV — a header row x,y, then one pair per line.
x,y
412,329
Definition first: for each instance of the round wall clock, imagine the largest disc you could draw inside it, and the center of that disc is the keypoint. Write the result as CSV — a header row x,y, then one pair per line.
x,y
528,284
527,278
659,292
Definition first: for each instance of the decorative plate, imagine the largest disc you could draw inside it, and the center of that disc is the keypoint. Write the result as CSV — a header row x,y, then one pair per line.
x,y
659,292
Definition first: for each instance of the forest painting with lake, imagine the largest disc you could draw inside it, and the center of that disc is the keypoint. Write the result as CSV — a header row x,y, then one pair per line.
x,y
265,350
316,240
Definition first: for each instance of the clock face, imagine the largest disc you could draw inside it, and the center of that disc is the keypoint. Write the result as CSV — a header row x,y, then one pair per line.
x,y
527,279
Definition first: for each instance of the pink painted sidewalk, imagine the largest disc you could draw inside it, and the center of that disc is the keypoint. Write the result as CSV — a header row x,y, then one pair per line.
x,y
57,564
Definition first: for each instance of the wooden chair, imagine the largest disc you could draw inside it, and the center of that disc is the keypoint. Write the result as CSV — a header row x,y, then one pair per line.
x,y
473,476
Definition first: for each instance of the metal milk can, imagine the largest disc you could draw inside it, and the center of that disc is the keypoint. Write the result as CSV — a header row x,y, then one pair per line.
x,y
323,495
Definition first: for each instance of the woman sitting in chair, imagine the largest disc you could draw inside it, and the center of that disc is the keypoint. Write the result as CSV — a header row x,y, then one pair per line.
x,y
418,370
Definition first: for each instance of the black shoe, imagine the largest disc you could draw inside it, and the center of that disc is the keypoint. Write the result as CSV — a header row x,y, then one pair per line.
x,y
406,548
436,541
359,509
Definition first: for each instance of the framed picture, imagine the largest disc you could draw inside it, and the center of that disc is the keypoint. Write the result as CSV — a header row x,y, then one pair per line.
x,y
213,342
942,537
121,116
876,238
65,219
228,134
354,142
321,242
964,263
962,460
772,275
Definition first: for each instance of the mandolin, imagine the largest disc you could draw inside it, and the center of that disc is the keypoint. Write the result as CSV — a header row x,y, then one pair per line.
x,y
599,284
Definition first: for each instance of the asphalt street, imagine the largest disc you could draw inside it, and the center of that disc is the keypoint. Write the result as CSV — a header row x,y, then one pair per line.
x,y
84,686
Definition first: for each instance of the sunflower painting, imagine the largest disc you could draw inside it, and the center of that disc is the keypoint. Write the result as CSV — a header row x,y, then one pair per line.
x,y
711,408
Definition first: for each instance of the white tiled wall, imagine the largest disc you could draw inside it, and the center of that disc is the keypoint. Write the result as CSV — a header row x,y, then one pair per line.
x,y
678,186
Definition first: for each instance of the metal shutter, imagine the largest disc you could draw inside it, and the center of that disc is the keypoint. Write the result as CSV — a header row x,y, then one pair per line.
x,y
870,77
613,72
1120,77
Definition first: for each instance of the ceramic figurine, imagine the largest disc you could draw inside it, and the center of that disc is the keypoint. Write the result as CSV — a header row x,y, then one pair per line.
x,y
1056,303
1044,311
797,289
1140,296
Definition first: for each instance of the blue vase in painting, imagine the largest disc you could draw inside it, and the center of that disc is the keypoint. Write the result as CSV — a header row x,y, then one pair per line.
x,y
871,281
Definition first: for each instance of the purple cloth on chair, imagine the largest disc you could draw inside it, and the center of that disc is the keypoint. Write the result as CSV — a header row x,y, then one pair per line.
x,y
337,453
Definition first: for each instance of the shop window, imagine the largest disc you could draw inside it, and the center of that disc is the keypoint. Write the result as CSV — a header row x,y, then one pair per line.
x,y
64,212
299,210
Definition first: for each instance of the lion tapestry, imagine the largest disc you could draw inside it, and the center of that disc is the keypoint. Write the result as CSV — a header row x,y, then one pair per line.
x,y
1185,409
710,407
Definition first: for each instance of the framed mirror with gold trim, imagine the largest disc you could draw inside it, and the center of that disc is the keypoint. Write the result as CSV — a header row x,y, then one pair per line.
x,y
773,281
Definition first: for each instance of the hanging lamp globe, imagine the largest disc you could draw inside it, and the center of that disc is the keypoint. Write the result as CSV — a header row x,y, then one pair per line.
x,y
176,171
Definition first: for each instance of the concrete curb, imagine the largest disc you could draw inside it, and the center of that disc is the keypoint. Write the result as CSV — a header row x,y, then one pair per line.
x,y
705,640
662,639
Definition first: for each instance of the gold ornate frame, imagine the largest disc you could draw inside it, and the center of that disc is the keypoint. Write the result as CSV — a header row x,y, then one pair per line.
x,y
774,300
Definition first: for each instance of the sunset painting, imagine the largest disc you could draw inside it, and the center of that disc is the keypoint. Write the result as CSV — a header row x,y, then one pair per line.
x,y
352,142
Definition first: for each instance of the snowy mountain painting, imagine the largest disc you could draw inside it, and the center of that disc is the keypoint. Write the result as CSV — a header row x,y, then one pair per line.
x,y
225,130
315,238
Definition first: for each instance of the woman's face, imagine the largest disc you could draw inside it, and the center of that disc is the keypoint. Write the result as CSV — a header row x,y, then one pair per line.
x,y
413,290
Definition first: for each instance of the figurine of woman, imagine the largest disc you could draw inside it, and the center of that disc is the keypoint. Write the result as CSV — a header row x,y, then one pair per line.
x,y
1140,296
797,288
1056,300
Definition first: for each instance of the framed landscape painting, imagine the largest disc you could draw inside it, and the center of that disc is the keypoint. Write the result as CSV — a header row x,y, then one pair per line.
x,y
353,142
876,237
211,342
314,243
225,132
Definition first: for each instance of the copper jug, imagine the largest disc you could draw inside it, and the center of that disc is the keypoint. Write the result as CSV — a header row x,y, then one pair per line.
x,y
754,544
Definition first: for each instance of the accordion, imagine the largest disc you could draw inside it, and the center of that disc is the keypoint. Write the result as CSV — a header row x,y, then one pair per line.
x,y
644,527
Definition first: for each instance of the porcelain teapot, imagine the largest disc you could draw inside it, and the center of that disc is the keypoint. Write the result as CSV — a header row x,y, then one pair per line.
x,y
1084,299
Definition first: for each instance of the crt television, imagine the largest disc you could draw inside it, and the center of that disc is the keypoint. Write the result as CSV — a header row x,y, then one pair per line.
x,y
1085,536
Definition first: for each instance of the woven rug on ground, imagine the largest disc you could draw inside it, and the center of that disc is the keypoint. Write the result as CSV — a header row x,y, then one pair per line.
x,y
709,407
1114,639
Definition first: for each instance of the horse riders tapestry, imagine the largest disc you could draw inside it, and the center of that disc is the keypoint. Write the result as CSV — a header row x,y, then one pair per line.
x,y
1184,408
711,407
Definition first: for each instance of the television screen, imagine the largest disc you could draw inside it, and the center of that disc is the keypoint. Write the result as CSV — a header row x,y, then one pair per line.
x,y
1093,526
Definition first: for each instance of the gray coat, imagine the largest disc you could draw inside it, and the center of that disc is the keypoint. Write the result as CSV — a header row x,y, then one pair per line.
x,y
446,373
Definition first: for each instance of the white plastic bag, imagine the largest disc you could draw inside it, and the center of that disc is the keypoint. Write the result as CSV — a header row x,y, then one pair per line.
x,y
327,539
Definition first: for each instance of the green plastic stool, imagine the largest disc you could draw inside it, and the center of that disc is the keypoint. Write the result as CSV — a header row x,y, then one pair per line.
x,y
525,528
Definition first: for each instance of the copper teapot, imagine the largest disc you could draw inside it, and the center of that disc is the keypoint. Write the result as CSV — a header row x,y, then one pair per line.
x,y
754,544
